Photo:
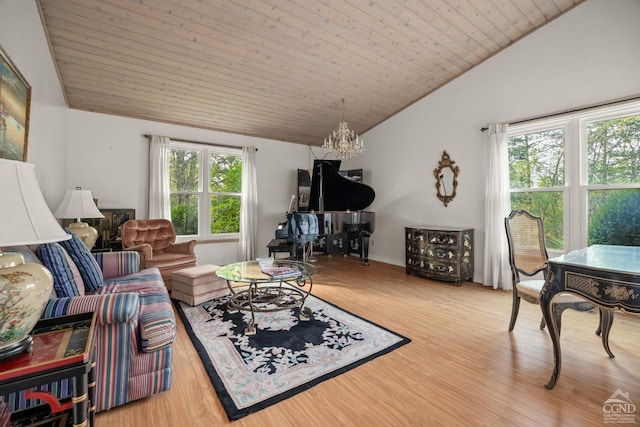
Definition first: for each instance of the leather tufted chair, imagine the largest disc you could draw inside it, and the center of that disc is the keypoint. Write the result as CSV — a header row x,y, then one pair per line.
x,y
155,240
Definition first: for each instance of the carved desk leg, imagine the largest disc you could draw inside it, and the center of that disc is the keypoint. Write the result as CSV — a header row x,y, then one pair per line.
x,y
606,320
550,289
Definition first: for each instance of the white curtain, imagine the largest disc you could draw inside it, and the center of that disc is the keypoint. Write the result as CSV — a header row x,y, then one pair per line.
x,y
159,203
248,206
497,272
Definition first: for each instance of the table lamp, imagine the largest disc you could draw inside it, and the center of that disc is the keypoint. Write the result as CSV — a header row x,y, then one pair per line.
x,y
78,204
25,288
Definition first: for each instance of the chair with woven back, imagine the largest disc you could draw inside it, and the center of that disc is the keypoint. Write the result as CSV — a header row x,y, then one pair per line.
x,y
528,257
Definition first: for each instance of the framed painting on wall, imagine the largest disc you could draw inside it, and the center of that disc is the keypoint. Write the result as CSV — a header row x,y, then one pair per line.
x,y
15,103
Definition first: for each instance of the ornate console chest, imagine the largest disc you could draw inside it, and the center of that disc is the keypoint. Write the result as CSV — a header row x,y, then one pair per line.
x,y
443,253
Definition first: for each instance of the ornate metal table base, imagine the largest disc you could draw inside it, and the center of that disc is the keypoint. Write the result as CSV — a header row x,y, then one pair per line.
x,y
262,293
268,298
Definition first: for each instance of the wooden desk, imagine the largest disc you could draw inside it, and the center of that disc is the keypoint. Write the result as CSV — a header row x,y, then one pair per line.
x,y
608,276
62,348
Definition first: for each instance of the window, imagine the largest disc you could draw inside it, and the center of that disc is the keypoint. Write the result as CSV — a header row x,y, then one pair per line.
x,y
581,174
613,175
205,185
537,178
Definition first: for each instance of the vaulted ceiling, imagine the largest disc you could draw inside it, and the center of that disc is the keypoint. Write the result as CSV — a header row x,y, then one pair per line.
x,y
275,68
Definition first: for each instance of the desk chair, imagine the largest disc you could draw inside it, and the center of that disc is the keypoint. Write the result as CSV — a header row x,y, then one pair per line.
x,y
528,256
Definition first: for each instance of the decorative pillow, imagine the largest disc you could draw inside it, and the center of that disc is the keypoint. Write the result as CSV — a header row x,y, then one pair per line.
x,y
54,258
84,260
77,277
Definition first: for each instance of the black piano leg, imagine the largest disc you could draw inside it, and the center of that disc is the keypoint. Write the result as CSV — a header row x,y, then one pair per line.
x,y
365,247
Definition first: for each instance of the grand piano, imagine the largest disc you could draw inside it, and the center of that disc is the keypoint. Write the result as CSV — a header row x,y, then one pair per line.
x,y
340,203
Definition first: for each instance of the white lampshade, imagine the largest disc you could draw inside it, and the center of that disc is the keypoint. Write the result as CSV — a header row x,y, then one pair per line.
x,y
25,217
77,204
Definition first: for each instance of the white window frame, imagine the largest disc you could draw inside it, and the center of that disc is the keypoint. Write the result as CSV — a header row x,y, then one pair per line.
x,y
576,185
541,126
203,192
605,114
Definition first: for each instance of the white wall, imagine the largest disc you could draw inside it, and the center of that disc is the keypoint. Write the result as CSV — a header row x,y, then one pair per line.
x,y
585,57
110,156
23,39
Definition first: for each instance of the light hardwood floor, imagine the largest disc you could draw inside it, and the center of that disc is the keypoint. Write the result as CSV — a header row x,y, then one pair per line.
x,y
461,368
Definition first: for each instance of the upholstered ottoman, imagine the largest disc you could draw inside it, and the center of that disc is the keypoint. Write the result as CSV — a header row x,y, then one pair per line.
x,y
195,285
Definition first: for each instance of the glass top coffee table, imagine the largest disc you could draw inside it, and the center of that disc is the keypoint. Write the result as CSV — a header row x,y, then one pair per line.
x,y
263,293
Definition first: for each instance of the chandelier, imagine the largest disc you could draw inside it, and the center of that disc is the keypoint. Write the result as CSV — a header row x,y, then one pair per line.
x,y
342,142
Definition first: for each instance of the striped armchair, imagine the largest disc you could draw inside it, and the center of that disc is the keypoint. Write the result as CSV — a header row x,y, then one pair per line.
x,y
134,333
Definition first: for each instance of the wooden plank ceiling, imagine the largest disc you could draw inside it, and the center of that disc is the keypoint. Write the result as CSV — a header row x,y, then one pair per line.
x,y
275,68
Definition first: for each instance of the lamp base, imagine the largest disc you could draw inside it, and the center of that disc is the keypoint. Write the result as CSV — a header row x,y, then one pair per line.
x,y
24,291
87,234
16,349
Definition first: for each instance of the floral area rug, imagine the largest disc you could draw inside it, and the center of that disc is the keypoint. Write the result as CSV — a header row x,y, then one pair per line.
x,y
286,356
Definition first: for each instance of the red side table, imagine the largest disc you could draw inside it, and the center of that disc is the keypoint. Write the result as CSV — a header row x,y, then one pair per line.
x,y
62,348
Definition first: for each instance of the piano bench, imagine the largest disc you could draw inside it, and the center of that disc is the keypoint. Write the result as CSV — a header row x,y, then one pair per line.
x,y
280,245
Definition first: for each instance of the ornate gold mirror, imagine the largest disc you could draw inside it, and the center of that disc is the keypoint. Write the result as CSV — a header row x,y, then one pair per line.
x,y
446,178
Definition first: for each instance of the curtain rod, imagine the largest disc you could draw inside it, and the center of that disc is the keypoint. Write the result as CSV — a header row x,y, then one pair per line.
x,y
575,110
190,141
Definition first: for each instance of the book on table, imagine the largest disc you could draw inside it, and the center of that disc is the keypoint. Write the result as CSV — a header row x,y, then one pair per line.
x,y
281,272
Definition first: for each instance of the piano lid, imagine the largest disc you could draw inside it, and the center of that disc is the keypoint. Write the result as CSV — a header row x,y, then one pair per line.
x,y
330,191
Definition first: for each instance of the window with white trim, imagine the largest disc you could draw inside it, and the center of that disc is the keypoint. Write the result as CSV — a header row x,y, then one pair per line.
x,y
205,184
581,174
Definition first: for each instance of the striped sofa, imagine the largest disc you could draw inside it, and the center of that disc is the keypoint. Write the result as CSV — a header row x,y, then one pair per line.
x,y
135,328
